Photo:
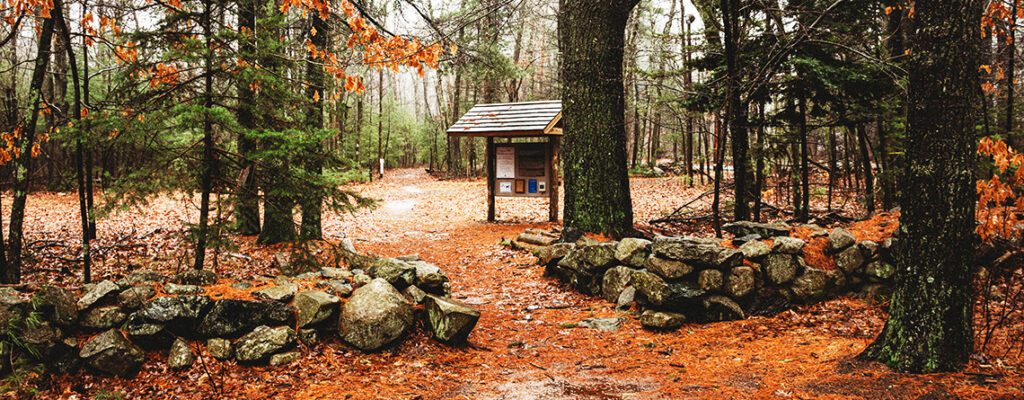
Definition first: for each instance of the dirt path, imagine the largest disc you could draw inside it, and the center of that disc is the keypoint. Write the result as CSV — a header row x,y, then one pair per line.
x,y
527,345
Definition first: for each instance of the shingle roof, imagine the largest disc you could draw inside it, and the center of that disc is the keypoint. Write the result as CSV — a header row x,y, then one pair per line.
x,y
535,118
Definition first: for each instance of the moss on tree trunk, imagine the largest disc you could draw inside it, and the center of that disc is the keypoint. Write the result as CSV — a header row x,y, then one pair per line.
x,y
592,36
929,327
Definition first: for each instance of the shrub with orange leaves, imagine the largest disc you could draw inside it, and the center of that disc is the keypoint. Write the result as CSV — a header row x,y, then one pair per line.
x,y
1000,197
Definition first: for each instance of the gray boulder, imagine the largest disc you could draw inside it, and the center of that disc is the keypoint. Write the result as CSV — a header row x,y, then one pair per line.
x,y
360,279
590,259
633,252
103,317
659,292
280,359
626,298
56,305
661,320
668,269
171,308
450,320
414,294
707,252
840,239
614,281
100,291
233,317
720,308
111,353
879,270
780,268
143,277
282,292
219,348
375,316
195,277
335,273
338,287
744,228
262,342
429,277
554,253
812,284
181,355
174,288
788,245
755,249
740,281
710,280
396,272
134,297
314,307
850,260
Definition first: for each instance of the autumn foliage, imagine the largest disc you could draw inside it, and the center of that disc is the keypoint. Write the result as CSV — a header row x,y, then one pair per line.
x,y
1000,197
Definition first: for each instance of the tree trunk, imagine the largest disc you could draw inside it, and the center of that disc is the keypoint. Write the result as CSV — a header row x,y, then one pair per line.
x,y
592,35
805,172
736,109
312,200
865,160
206,175
247,206
23,166
930,316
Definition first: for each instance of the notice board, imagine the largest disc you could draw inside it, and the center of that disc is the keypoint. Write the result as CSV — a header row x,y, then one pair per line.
x,y
522,169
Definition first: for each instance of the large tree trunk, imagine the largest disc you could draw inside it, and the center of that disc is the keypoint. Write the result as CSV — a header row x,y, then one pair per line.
x,y
865,160
23,166
247,201
736,109
312,200
930,316
591,36
206,175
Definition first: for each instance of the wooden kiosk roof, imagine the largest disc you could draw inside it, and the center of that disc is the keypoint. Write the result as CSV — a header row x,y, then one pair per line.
x,y
533,118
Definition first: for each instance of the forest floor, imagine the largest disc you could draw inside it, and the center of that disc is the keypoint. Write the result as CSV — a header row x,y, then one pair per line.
x,y
527,344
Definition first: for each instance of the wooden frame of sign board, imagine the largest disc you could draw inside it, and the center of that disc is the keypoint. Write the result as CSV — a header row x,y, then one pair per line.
x,y
528,121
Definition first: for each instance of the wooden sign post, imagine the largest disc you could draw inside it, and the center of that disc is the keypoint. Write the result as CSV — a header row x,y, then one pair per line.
x,y
518,168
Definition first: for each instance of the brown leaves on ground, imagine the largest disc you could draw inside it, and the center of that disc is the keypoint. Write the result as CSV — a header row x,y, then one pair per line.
x,y
527,344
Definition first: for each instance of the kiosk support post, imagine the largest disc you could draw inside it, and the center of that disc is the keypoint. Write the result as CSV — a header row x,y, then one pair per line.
x,y
490,179
553,183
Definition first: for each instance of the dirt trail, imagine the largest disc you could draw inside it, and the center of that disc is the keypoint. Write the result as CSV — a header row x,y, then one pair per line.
x,y
527,345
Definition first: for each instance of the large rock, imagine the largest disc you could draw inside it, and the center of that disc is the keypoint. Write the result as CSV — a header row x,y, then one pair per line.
x,y
755,249
314,307
181,355
788,245
195,277
668,269
174,288
280,359
143,277
661,320
590,259
812,284
134,297
659,292
554,253
262,342
100,291
879,270
110,352
740,281
614,281
429,277
850,260
710,280
707,252
450,320
633,252
602,324
105,317
56,305
233,317
840,239
175,308
375,316
780,268
219,348
282,292
396,272
765,231
720,308
335,273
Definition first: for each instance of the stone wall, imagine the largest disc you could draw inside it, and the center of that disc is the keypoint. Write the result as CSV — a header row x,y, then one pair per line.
x,y
108,326
675,279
